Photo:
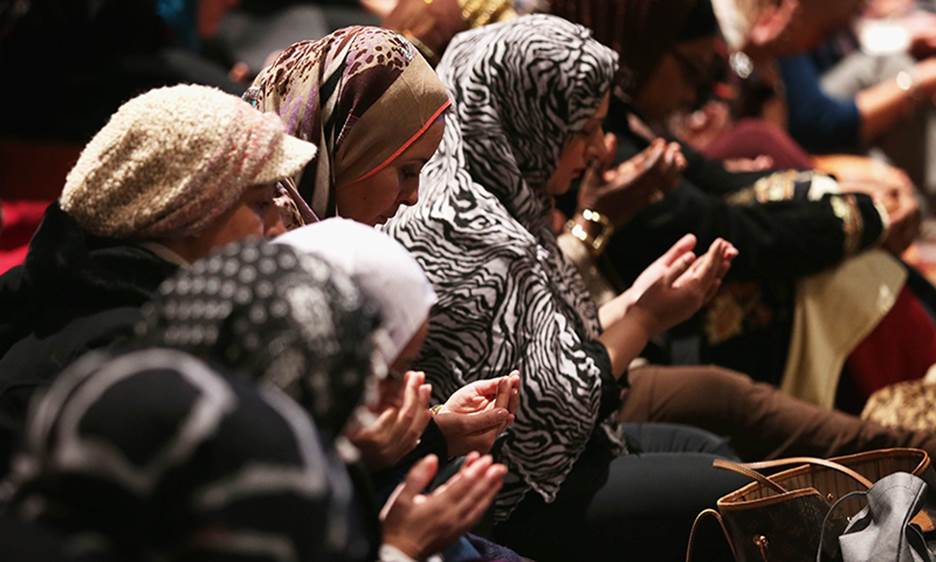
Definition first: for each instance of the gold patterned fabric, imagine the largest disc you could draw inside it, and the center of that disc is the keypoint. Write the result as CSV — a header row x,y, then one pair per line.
x,y
905,405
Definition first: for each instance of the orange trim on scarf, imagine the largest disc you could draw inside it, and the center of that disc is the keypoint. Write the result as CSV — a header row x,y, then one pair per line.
x,y
412,139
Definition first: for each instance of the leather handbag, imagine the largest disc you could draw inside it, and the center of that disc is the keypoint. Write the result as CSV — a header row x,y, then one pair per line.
x,y
781,517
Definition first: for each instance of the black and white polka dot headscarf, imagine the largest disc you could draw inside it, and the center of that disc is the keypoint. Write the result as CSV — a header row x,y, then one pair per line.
x,y
270,313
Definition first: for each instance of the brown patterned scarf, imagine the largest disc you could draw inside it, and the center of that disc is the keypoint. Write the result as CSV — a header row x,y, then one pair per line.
x,y
362,94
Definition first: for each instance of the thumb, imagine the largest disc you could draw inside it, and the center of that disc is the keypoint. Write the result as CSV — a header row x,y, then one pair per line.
x,y
610,145
483,422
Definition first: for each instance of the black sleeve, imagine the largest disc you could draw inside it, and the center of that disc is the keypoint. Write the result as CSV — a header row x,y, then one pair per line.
x,y
432,442
610,387
779,240
712,177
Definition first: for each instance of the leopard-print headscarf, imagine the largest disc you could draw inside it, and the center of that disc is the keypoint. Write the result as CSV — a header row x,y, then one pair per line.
x,y
363,95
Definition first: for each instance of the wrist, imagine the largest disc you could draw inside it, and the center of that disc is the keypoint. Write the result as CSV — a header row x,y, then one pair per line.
x,y
644,320
592,228
399,549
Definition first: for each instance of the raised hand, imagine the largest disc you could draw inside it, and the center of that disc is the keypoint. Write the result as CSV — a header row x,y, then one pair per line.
x,y
422,524
621,192
677,290
473,417
397,429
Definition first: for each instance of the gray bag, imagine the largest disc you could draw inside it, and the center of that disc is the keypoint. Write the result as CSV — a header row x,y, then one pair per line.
x,y
882,531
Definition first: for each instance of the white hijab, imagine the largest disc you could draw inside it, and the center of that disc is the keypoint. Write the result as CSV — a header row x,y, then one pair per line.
x,y
380,267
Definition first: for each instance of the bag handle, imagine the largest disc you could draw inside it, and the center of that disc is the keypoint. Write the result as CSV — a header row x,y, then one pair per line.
x,y
825,520
750,470
700,518
746,471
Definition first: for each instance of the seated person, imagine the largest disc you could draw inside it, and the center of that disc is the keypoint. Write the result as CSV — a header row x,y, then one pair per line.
x,y
176,173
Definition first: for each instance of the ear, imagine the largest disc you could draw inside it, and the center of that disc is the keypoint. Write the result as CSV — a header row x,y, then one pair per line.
x,y
772,22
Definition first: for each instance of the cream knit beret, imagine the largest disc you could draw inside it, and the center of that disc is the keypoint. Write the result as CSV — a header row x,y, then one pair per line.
x,y
171,161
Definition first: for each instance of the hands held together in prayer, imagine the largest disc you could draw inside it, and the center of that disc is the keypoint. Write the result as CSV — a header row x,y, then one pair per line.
x,y
621,192
471,419
419,524
674,287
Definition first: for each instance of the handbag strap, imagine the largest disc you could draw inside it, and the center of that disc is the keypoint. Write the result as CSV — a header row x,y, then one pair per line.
x,y
744,469
825,520
750,470
693,534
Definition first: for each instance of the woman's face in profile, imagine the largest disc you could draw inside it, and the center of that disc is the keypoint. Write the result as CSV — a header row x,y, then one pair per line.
x,y
677,80
375,200
580,150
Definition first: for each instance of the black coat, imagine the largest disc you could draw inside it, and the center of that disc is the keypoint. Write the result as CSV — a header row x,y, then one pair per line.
x,y
74,293
779,242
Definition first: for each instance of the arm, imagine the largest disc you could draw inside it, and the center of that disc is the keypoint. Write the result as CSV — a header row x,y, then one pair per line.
x,y
778,240
817,121
667,293
881,106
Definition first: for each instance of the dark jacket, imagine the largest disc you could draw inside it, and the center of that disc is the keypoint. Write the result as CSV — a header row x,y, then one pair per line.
x,y
779,242
74,293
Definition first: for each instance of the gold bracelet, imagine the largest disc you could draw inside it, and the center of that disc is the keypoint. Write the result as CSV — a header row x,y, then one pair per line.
x,y
595,244
436,409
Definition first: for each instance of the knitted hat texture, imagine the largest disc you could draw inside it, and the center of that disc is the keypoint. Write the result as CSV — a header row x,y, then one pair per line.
x,y
171,161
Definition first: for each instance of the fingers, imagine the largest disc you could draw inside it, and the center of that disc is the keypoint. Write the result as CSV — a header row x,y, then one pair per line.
x,y
673,158
459,485
417,479
610,142
414,415
503,393
678,268
685,244
706,270
728,254
652,156
514,396
483,422
491,484
412,381
486,387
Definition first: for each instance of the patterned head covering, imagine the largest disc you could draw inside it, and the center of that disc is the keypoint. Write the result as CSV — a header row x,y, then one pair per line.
x,y
507,298
271,313
171,161
380,267
640,31
363,94
515,115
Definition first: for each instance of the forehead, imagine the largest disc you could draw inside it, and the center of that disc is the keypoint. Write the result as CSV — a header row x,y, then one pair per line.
x,y
426,145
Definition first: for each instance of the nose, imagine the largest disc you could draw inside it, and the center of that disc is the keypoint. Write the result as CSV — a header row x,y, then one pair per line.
x,y
410,195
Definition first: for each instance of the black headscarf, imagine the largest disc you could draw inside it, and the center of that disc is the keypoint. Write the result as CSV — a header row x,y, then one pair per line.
x,y
271,313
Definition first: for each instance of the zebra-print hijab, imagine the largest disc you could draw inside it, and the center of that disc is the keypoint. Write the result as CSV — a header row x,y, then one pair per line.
x,y
507,298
